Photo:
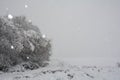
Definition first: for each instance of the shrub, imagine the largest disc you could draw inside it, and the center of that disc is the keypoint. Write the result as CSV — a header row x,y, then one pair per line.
x,y
20,42
118,64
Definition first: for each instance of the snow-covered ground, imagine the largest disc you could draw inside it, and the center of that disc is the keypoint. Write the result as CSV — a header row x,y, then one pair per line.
x,y
60,70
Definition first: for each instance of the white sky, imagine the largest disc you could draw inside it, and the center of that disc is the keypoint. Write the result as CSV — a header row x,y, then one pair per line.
x,y
78,28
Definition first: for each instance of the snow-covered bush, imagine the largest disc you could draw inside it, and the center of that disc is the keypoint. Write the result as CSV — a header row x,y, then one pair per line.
x,y
21,41
118,64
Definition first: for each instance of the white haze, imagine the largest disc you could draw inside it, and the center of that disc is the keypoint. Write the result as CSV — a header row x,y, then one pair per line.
x,y
82,29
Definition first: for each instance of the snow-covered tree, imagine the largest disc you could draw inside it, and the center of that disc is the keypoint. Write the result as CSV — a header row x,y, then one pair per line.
x,y
21,41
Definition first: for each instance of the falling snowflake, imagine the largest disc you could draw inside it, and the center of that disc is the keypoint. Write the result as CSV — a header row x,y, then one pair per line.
x,y
26,6
29,21
12,47
44,36
10,16
7,9
28,58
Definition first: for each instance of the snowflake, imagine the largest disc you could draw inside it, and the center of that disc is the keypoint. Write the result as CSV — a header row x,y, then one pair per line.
x,y
44,36
10,16
28,58
26,6
29,21
12,47
7,9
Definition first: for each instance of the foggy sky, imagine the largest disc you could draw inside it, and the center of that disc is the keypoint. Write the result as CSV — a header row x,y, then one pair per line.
x,y
77,28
